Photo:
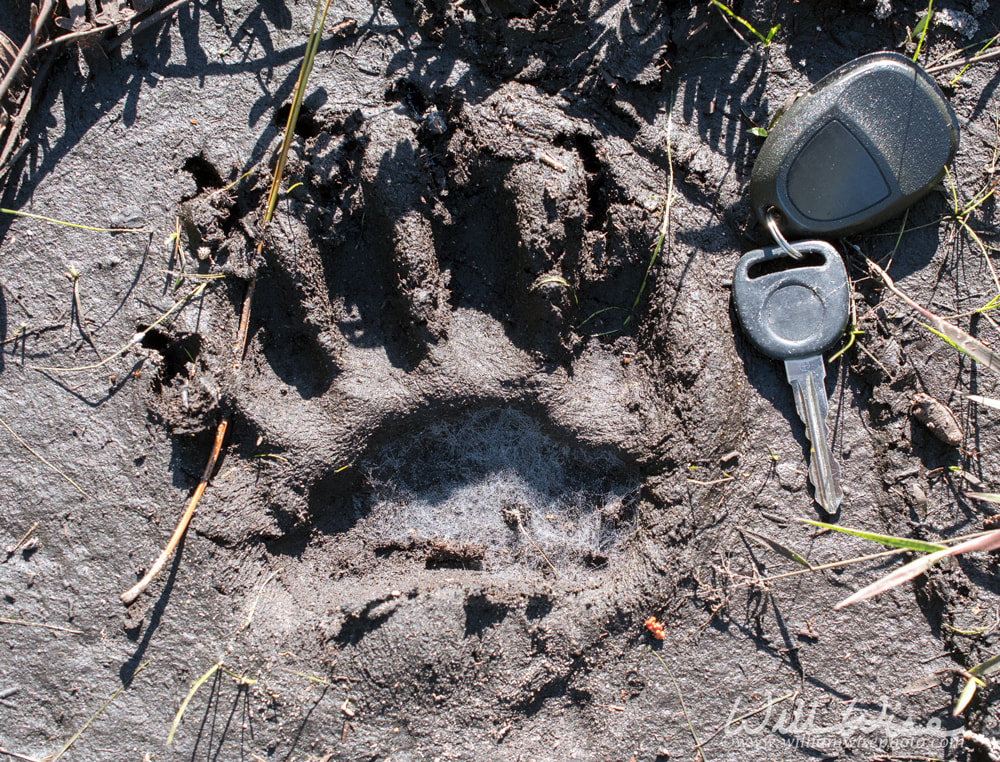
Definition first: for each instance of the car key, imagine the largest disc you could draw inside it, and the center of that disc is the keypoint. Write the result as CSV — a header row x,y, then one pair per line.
x,y
860,146
794,311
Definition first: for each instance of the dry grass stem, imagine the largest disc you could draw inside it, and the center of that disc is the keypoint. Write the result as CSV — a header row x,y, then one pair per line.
x,y
42,458
26,623
97,714
955,336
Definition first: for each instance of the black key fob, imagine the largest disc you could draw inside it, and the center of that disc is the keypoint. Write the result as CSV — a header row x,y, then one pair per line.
x,y
859,147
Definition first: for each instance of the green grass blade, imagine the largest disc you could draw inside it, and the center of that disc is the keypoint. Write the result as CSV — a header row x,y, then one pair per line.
x,y
319,19
987,667
76,225
732,14
187,700
981,543
923,26
881,539
966,696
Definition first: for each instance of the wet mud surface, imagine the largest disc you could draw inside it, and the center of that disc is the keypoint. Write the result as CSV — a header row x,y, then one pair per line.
x,y
481,431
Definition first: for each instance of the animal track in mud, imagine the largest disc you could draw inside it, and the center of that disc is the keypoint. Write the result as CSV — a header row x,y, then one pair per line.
x,y
415,358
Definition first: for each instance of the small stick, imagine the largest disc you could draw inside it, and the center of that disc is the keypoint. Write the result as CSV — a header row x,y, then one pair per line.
x,y
547,158
129,596
14,548
26,623
74,36
28,48
541,552
39,456
146,23
963,61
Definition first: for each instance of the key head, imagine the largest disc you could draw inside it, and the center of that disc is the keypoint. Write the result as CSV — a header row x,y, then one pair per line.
x,y
792,309
859,147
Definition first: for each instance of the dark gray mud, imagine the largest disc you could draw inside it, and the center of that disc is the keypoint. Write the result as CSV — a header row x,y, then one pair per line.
x,y
478,438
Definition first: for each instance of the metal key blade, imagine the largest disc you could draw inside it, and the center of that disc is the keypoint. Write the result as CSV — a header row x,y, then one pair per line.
x,y
806,377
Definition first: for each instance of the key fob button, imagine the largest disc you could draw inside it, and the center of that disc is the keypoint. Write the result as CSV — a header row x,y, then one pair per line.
x,y
822,195
863,144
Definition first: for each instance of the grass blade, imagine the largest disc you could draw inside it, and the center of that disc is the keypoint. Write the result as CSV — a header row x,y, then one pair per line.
x,y
881,539
966,696
778,548
982,669
985,401
97,714
987,667
988,497
187,699
955,336
988,541
76,225
39,456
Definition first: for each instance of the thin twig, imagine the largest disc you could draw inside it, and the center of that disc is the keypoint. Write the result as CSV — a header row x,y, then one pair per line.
x,y
17,545
14,131
74,36
26,623
146,23
963,61
28,48
129,596
535,545
41,458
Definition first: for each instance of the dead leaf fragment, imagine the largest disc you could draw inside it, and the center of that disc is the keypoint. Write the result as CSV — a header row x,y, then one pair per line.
x,y
937,418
